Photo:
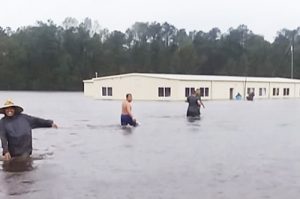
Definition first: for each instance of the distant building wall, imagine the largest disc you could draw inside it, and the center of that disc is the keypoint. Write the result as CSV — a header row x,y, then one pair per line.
x,y
89,88
222,89
297,90
147,87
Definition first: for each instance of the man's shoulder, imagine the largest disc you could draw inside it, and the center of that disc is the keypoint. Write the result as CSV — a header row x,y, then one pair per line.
x,y
22,115
2,120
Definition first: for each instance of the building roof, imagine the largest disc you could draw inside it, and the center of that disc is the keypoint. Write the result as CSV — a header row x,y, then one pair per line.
x,y
203,78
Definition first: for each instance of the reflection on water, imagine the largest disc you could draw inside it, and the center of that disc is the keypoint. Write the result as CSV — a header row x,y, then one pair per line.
x,y
127,130
23,163
235,150
18,165
193,119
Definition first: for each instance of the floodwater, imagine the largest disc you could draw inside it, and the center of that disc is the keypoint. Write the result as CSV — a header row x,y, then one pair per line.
x,y
238,149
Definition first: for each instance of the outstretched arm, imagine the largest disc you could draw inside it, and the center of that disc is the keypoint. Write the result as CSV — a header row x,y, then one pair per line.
x,y
36,122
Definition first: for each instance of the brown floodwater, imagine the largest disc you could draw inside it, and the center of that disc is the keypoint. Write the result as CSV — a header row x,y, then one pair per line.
x,y
238,149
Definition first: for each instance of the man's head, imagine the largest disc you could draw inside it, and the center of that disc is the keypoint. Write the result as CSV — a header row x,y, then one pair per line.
x,y
129,97
198,92
10,109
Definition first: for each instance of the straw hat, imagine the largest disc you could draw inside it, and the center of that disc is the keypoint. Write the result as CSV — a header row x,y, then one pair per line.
x,y
9,103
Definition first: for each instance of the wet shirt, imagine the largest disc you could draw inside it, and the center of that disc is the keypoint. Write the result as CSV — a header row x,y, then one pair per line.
x,y
16,133
193,108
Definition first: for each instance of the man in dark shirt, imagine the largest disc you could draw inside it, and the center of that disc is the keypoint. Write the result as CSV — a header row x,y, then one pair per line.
x,y
16,130
194,105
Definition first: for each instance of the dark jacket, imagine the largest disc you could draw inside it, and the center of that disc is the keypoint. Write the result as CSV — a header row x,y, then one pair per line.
x,y
16,135
193,108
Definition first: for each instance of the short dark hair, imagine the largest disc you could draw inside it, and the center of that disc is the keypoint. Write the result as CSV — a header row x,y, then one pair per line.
x,y
127,95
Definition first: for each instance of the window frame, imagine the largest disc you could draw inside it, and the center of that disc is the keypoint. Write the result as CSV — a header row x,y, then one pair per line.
x,y
164,92
107,91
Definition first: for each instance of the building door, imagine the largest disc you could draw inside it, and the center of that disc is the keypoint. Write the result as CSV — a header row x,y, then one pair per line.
x,y
231,93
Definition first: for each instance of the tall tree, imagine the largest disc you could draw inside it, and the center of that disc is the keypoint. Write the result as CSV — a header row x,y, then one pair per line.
x,y
47,56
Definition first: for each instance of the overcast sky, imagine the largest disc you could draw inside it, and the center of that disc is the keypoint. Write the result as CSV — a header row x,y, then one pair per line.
x,y
264,17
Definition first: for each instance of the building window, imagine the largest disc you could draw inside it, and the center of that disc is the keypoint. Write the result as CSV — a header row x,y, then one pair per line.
x,y
167,92
103,91
204,91
109,91
164,92
262,91
250,90
275,91
106,91
160,92
286,91
189,91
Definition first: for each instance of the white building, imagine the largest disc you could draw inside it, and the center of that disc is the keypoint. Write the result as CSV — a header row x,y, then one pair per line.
x,y
144,86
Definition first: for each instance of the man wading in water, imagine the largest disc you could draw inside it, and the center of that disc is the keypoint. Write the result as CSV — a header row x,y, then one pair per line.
x,y
126,116
194,105
15,131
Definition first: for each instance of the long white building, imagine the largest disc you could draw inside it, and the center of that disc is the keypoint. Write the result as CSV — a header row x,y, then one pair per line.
x,y
172,87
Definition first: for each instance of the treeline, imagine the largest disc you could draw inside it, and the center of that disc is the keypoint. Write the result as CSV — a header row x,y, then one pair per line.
x,y
58,57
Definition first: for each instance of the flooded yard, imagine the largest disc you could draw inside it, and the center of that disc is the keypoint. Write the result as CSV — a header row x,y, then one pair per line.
x,y
238,149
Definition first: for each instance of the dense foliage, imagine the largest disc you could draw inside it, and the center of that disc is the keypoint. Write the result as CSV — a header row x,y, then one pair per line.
x,y
51,57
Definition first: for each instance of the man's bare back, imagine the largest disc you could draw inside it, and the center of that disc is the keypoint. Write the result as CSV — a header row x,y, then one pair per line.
x,y
126,116
126,108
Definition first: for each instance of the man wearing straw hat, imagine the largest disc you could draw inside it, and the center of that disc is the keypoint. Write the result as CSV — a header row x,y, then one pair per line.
x,y
16,130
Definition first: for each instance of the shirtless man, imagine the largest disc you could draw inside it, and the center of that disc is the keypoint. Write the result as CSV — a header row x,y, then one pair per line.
x,y
126,116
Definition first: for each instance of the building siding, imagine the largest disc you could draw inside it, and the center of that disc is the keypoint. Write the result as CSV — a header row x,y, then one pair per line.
x,y
146,87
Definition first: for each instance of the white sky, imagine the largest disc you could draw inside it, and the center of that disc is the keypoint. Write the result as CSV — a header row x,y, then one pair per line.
x,y
264,17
